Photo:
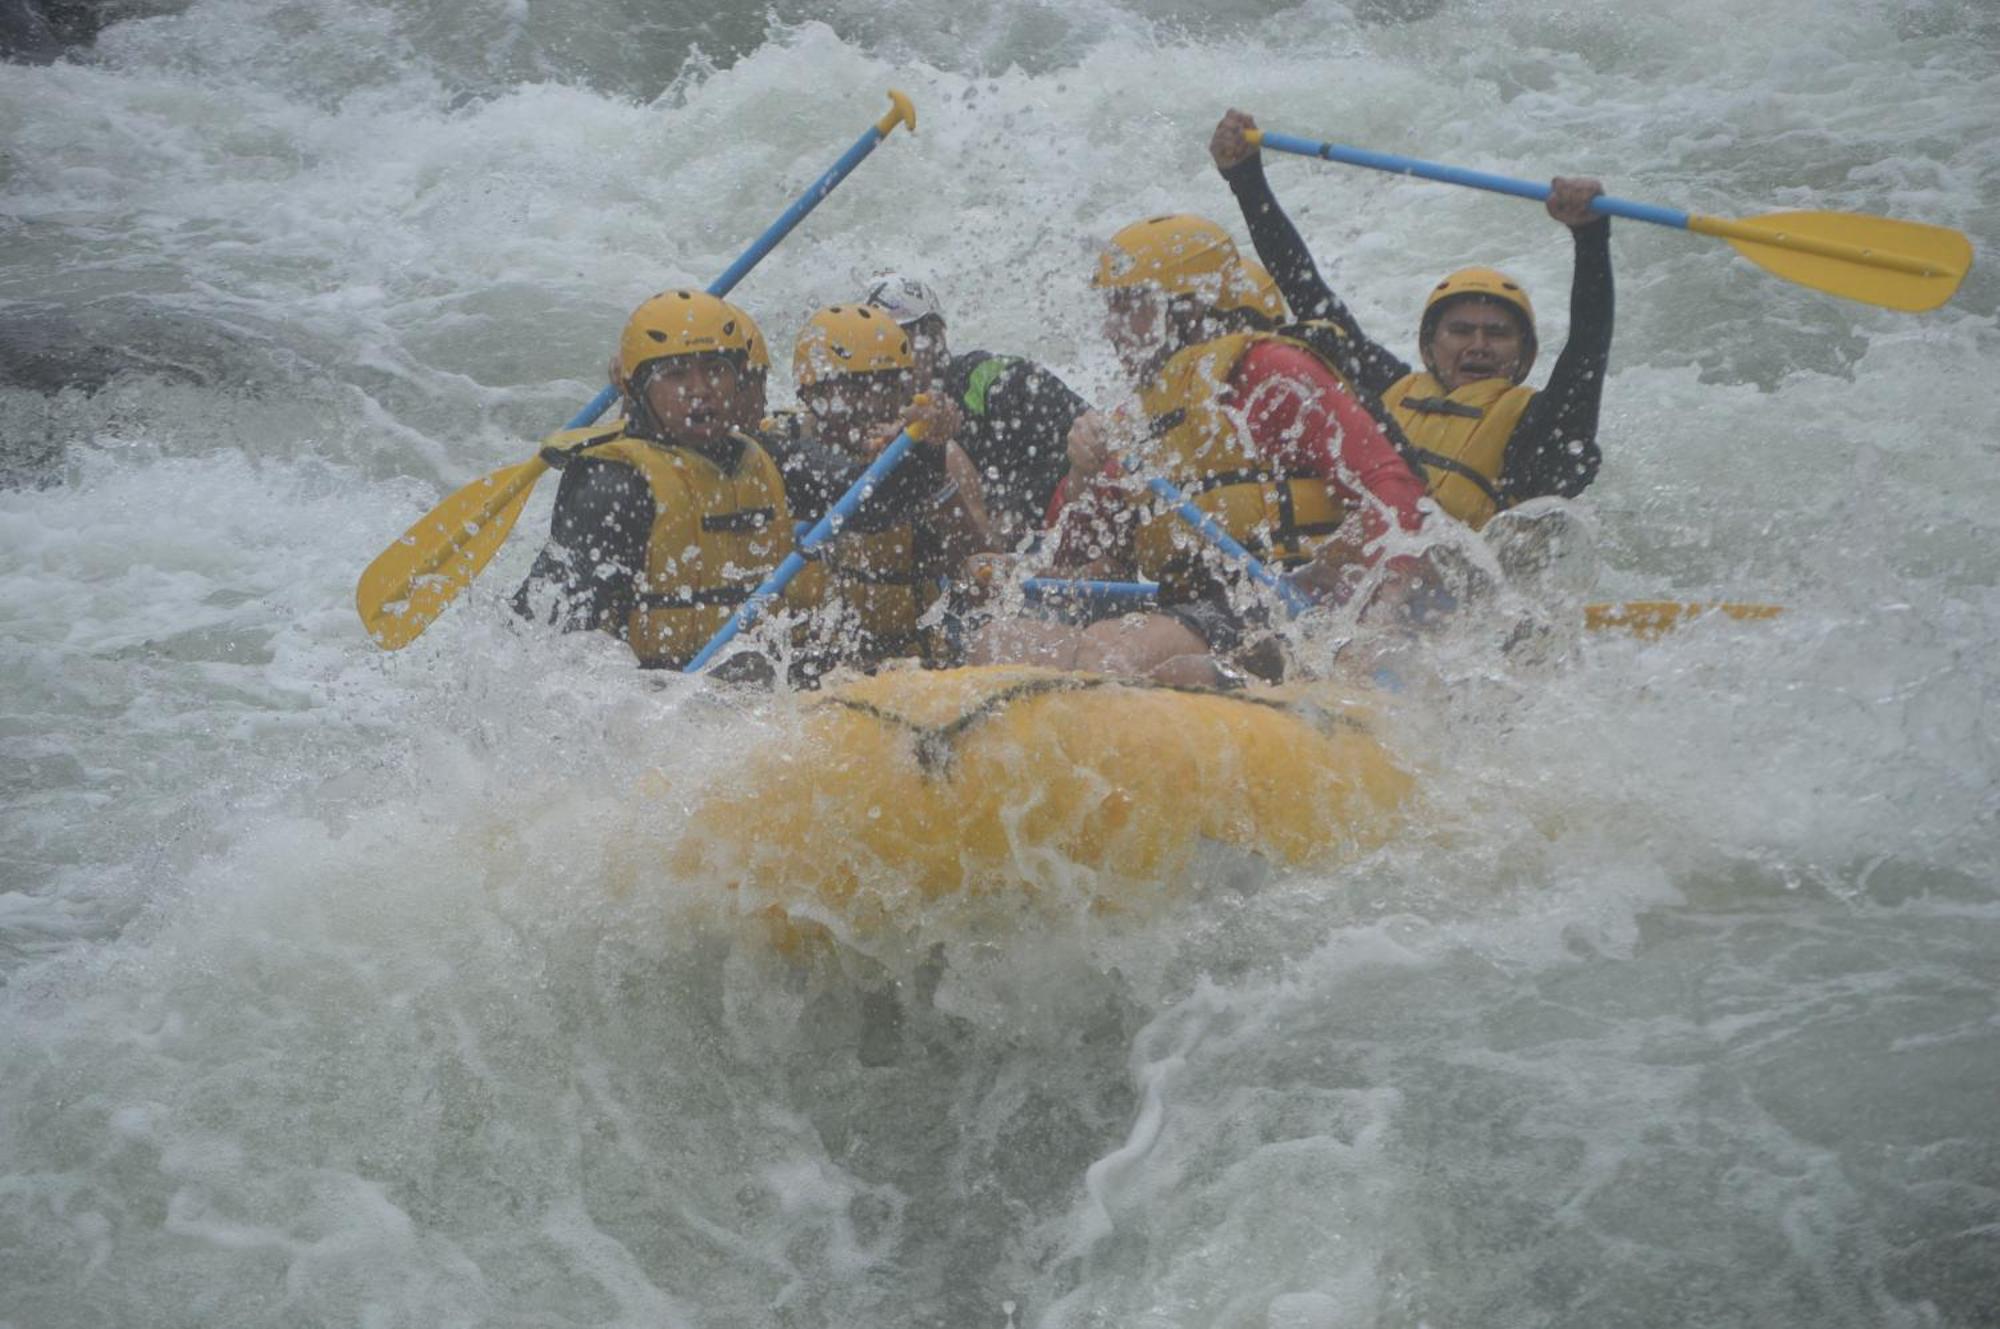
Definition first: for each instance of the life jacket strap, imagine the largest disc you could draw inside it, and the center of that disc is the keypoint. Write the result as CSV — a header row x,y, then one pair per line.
x,y
692,599
1284,540
1437,461
747,521
1444,406
560,458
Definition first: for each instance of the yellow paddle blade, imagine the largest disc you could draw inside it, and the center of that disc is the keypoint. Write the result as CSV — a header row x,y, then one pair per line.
x,y
1877,260
1647,619
410,583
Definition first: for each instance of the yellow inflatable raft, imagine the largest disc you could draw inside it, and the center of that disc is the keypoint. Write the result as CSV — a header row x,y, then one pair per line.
x,y
910,792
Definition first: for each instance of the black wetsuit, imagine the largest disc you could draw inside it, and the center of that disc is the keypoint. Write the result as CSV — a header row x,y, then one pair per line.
x,y
587,576
818,475
1554,447
1016,431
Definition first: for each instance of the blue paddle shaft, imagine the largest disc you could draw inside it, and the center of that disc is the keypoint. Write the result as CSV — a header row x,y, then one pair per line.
x,y
1185,509
764,244
823,530
1457,175
1041,588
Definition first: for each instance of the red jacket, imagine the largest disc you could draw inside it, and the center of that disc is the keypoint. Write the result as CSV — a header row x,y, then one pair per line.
x,y
1300,417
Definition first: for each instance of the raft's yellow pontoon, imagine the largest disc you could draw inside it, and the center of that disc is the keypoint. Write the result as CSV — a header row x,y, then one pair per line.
x,y
906,789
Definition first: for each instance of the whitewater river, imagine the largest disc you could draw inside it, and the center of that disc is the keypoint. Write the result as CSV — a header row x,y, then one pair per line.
x,y
349,988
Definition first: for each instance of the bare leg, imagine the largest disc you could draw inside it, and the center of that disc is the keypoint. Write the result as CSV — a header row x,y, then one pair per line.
x,y
1136,644
1189,671
1145,644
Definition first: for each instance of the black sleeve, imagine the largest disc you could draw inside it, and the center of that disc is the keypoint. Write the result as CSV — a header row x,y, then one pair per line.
x,y
1366,363
1028,414
817,475
1554,449
587,574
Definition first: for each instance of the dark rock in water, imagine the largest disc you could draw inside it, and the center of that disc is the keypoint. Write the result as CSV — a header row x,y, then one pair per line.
x,y
50,353
36,32
47,348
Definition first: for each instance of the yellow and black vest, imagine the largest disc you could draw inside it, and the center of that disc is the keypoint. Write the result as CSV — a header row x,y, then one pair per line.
x,y
720,526
1207,453
874,574
1459,438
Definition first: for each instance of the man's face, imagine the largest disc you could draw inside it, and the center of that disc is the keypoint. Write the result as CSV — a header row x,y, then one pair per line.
x,y
1475,338
849,408
927,346
700,399
1135,323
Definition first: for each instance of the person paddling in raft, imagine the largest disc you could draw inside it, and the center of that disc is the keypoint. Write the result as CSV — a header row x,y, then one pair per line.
x,y
1258,428
1484,440
666,520
857,376
1015,414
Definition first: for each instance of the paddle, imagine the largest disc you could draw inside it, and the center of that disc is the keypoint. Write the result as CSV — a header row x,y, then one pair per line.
x,y
823,530
1185,509
409,584
1647,619
1642,618
1876,260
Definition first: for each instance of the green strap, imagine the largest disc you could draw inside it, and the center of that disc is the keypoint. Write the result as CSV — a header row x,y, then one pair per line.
x,y
981,380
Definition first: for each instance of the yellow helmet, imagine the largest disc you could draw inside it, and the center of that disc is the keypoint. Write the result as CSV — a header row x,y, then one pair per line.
x,y
678,323
1489,284
850,339
1265,296
1182,255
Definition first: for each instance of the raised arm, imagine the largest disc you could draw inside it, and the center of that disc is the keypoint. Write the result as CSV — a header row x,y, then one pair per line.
x,y
1279,248
1554,449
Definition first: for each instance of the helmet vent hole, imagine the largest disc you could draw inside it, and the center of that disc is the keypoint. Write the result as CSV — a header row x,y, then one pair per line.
x,y
656,334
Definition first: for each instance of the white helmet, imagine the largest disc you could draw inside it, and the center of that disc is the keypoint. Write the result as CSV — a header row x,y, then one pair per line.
x,y
905,299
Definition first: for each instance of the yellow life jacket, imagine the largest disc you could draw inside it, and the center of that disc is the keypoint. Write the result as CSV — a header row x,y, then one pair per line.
x,y
1459,438
1330,342
874,574
720,526
1206,452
